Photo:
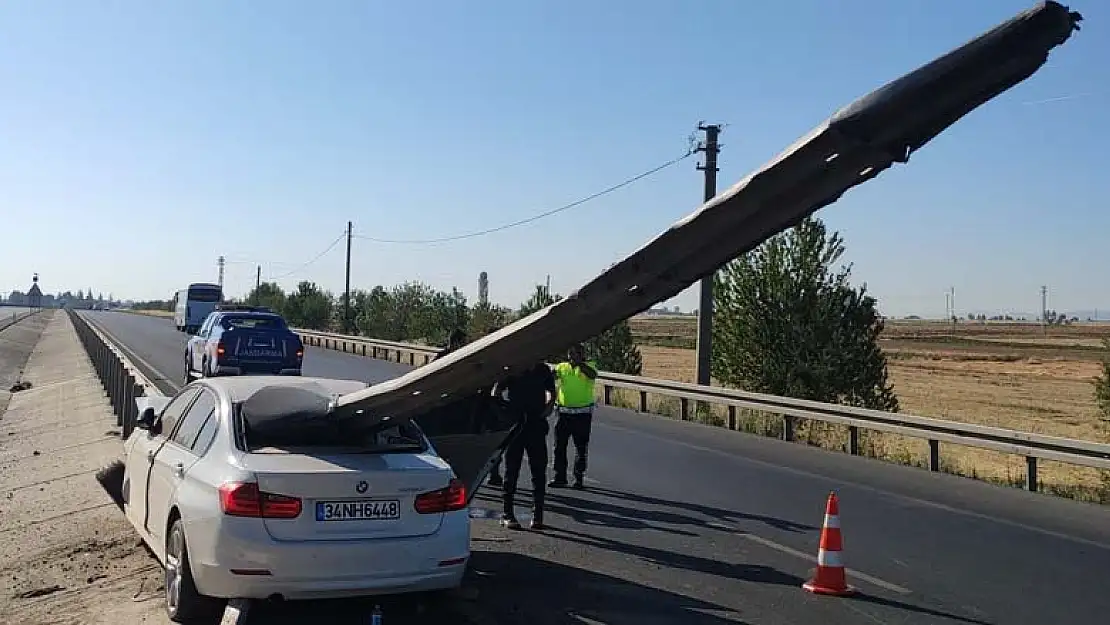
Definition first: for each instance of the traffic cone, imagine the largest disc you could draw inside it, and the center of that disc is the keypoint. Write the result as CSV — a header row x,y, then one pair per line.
x,y
830,578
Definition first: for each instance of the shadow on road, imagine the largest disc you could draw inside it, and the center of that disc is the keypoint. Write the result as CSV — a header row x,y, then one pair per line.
x,y
509,588
727,516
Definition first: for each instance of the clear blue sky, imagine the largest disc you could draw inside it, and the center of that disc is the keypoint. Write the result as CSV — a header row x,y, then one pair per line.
x,y
140,140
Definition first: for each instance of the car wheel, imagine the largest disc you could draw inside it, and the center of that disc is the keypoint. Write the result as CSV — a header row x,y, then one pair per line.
x,y
188,370
183,603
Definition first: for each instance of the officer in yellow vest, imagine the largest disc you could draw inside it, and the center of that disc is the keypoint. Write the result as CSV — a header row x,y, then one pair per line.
x,y
574,403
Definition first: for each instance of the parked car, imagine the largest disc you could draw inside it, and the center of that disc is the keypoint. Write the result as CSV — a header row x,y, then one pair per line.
x,y
243,340
245,487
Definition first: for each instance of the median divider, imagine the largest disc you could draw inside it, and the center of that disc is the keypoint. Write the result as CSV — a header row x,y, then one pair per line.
x,y
122,381
1031,446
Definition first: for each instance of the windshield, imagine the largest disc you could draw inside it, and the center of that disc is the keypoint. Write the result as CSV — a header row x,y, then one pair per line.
x,y
204,295
253,322
325,433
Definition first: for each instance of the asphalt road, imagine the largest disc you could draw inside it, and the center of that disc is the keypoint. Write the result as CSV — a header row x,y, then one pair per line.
x,y
687,523
7,313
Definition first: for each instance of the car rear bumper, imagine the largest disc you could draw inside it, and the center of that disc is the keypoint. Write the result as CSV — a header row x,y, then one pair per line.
x,y
226,370
242,561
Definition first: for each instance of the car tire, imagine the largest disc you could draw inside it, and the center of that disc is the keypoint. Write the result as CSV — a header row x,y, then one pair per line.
x,y
183,603
188,370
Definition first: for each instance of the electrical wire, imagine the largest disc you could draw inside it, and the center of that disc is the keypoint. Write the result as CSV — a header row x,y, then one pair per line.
x,y
314,258
470,235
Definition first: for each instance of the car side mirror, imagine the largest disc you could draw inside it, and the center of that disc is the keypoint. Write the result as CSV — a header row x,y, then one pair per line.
x,y
147,420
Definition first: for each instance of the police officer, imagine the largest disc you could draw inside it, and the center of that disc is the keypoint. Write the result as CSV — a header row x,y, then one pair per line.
x,y
575,406
531,395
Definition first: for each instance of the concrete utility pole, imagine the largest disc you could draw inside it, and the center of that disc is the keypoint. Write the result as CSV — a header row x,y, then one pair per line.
x,y
1044,310
347,285
220,263
705,301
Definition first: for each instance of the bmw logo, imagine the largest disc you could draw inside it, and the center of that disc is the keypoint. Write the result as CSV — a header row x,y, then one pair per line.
x,y
362,487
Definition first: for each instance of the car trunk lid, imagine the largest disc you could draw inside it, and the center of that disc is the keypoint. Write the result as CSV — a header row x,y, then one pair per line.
x,y
349,495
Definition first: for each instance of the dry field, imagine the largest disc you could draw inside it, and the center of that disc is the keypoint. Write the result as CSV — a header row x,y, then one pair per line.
x,y
1007,375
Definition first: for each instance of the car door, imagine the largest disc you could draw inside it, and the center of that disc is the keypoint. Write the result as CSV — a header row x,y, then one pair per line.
x,y
140,459
173,460
199,343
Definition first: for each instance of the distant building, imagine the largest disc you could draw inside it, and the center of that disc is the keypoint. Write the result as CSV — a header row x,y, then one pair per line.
x,y
34,296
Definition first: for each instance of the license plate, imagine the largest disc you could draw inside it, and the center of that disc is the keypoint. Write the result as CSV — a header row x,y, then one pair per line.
x,y
358,510
260,353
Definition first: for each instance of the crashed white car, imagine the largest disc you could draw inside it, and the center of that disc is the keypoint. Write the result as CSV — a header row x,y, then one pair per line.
x,y
245,487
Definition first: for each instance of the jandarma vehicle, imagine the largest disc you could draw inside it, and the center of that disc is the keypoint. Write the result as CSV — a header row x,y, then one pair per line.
x,y
245,488
241,340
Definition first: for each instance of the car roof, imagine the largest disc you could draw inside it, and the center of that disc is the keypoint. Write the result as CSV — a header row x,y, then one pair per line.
x,y
240,387
245,313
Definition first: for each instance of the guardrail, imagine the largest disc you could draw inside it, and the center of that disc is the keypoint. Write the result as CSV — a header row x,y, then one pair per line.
x,y
372,348
935,431
121,381
6,321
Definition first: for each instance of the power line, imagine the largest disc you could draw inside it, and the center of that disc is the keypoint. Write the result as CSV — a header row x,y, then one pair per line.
x,y
548,213
314,258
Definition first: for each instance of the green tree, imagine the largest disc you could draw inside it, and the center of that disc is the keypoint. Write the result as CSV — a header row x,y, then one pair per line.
x,y
309,307
486,318
268,294
375,314
614,349
786,324
541,298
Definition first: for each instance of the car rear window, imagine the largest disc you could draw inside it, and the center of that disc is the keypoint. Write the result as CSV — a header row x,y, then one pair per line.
x,y
283,436
253,322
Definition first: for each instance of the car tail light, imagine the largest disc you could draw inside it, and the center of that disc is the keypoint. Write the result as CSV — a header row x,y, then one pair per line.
x,y
300,352
219,349
443,500
244,499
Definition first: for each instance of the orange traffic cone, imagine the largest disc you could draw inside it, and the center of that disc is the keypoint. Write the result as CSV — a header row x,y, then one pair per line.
x,y
830,578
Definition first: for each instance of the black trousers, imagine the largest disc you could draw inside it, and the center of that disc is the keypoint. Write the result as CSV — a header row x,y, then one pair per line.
x,y
576,427
532,441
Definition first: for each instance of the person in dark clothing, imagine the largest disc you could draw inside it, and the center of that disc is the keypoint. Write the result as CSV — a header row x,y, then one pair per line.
x,y
531,396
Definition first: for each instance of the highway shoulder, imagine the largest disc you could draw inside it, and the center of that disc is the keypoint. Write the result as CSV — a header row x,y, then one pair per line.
x,y
68,553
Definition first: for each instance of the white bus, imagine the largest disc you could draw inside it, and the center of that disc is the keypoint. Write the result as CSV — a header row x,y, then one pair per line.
x,y
192,305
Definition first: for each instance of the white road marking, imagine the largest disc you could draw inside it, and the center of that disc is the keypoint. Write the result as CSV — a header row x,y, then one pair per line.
x,y
812,558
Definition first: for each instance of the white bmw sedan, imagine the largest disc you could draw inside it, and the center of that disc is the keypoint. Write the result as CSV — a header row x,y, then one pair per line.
x,y
247,487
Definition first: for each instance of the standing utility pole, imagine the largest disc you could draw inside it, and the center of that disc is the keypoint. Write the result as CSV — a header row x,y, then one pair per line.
x,y
257,282
220,264
1044,310
705,305
347,286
